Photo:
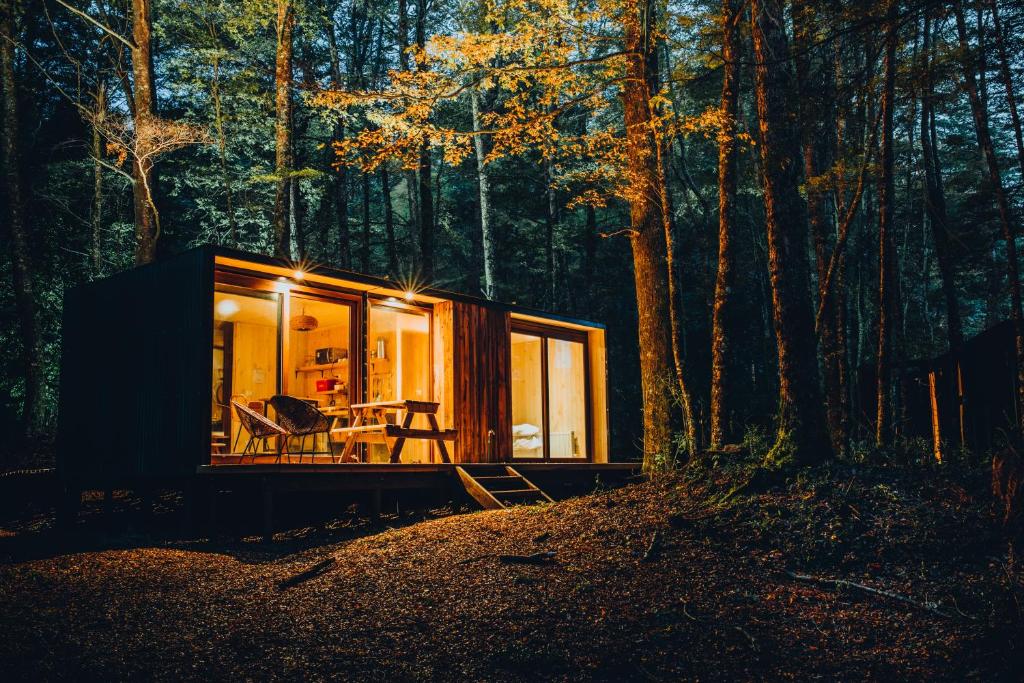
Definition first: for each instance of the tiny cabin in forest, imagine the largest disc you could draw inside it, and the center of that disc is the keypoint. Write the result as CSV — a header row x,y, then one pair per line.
x,y
163,364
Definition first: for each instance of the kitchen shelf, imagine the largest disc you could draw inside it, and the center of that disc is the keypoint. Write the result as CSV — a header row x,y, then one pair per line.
x,y
322,367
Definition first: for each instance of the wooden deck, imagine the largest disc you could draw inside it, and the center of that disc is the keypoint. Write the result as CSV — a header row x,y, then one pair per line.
x,y
374,478
321,474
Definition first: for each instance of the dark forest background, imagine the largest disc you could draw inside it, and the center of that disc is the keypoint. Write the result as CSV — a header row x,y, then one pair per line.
x,y
70,145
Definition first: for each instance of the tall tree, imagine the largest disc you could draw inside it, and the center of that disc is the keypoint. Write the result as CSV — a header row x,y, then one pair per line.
x,y
25,295
1006,76
886,201
147,222
423,172
815,71
984,136
283,171
935,196
390,248
339,184
724,387
99,114
650,239
483,180
801,420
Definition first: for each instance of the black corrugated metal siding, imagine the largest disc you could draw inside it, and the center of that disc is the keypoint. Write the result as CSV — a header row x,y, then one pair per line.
x,y
136,372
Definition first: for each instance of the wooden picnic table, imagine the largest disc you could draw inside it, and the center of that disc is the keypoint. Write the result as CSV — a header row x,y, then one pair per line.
x,y
370,425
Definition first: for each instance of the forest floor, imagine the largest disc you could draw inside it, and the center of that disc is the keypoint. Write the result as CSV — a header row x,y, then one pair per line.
x,y
660,580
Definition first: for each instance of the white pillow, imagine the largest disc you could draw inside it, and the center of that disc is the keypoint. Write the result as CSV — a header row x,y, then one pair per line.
x,y
525,430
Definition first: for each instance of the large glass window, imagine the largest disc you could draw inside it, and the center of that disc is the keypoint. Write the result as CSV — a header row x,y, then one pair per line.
x,y
245,353
398,359
274,338
549,395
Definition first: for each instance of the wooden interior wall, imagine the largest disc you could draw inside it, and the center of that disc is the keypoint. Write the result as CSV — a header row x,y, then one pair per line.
x,y
472,375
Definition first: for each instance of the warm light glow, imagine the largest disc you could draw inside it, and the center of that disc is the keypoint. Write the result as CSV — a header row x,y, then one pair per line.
x,y
298,275
410,295
392,300
227,308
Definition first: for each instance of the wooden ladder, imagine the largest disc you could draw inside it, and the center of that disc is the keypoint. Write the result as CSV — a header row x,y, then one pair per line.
x,y
501,486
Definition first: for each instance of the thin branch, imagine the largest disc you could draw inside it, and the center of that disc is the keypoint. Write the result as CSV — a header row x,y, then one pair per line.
x,y
844,228
112,33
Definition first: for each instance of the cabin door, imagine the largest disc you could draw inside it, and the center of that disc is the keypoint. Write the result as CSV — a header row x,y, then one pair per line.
x,y
550,389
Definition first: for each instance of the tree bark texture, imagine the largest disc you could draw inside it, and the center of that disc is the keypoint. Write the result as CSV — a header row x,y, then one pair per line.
x,y
423,172
886,285
725,390
935,198
283,128
484,188
649,241
801,420
147,226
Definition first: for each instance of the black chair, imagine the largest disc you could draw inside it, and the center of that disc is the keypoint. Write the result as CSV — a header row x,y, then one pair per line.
x,y
259,428
301,418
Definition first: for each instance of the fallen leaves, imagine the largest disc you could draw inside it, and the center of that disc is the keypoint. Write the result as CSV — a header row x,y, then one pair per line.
x,y
435,600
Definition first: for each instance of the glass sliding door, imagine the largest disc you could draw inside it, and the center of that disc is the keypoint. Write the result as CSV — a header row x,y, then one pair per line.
x,y
399,369
567,399
527,396
550,394
245,359
318,361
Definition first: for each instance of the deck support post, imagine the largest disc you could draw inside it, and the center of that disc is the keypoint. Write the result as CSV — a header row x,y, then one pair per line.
x,y
211,502
375,504
68,506
108,507
268,511
189,524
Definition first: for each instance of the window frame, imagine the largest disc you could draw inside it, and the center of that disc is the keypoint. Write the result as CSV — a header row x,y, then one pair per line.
x,y
544,333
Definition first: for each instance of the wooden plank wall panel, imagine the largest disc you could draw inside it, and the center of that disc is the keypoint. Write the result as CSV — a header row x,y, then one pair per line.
x,y
476,394
136,372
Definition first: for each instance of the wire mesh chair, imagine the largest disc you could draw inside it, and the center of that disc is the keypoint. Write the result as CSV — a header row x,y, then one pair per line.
x,y
259,429
301,418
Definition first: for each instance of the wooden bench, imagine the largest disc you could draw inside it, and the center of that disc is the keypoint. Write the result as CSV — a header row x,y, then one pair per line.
x,y
370,425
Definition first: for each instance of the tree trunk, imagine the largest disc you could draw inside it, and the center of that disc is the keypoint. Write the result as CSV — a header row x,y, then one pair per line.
x,y
389,220
423,172
649,241
99,115
724,394
282,128
801,421
590,237
411,184
339,184
981,129
364,245
25,302
935,198
816,85
222,151
550,224
147,225
1007,78
886,199
484,186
